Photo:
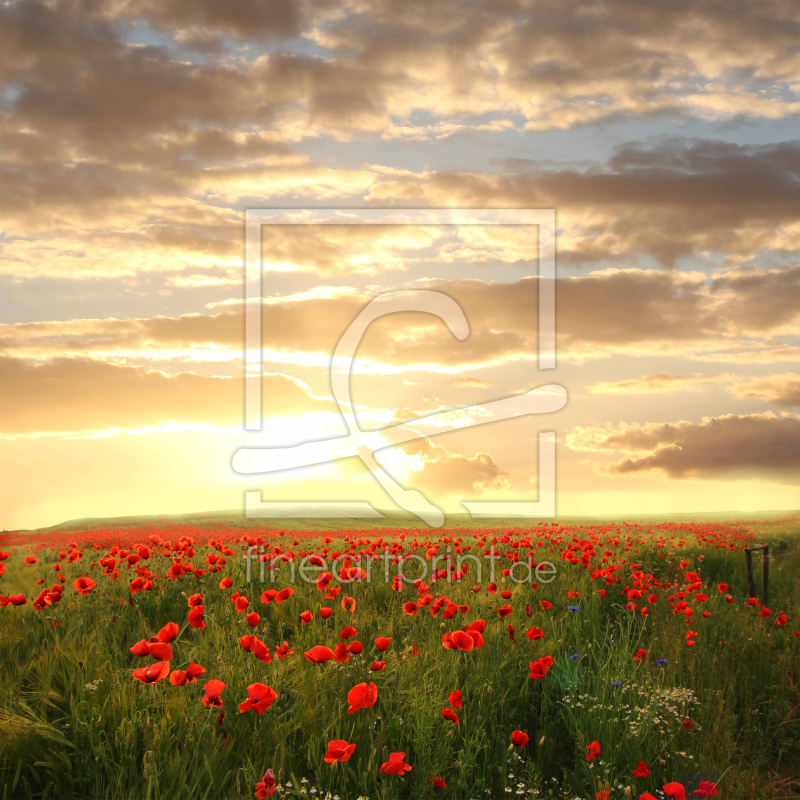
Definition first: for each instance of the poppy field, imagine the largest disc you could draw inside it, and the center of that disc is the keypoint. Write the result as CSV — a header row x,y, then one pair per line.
x,y
551,660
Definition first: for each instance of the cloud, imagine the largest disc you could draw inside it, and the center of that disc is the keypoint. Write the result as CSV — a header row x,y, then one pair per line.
x,y
647,384
438,470
633,312
780,390
79,395
719,448
667,200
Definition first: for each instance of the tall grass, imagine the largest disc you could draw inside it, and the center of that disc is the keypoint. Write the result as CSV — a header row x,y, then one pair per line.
x,y
738,685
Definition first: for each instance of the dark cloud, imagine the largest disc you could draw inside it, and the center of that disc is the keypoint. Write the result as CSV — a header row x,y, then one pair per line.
x,y
719,448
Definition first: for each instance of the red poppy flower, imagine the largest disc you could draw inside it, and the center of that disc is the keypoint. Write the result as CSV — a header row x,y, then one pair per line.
x,y
675,791
195,600
242,603
438,783
325,612
451,715
284,594
603,794
641,655
456,700
362,696
253,619
319,654
30,560
722,588
141,648
225,583
283,650
161,651
377,666
646,796
534,633
458,640
355,648
545,605
195,617
505,594
266,786
641,770
347,632
260,698
410,608
338,750
395,765
593,750
168,633
505,610
519,738
177,677
83,585
152,674
707,789
348,603
383,642
687,723
268,595
306,617
540,667
213,689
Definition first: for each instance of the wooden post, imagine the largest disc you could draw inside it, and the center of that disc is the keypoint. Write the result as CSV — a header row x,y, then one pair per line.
x,y
765,576
748,555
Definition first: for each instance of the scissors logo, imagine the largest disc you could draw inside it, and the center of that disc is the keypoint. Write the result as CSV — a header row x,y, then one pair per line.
x,y
364,444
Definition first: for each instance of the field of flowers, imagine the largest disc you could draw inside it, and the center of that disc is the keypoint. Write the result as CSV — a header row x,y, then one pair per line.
x,y
612,660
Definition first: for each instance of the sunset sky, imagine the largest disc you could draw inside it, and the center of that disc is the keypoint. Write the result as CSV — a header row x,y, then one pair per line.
x,y
135,133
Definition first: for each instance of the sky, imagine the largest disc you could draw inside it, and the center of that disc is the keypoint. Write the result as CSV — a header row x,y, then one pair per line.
x,y
134,135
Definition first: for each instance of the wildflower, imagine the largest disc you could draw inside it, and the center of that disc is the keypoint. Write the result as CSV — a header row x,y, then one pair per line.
x,y
593,750
260,698
319,654
383,642
362,696
573,656
438,783
195,617
707,789
641,770
675,791
573,609
338,750
540,667
641,655
519,738
83,586
212,698
395,765
451,715
266,787
455,699
152,674
377,666
534,633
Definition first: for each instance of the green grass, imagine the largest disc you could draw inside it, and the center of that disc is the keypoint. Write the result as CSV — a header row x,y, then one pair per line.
x,y
60,739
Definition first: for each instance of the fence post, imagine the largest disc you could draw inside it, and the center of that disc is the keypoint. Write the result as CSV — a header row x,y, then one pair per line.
x,y
765,576
748,555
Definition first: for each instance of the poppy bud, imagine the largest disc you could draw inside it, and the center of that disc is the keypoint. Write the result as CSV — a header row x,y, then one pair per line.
x,y
628,791
489,689
511,747
442,626
541,741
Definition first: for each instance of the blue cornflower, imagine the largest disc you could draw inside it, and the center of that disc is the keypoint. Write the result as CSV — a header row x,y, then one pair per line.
x,y
661,661
574,656
573,608
615,683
